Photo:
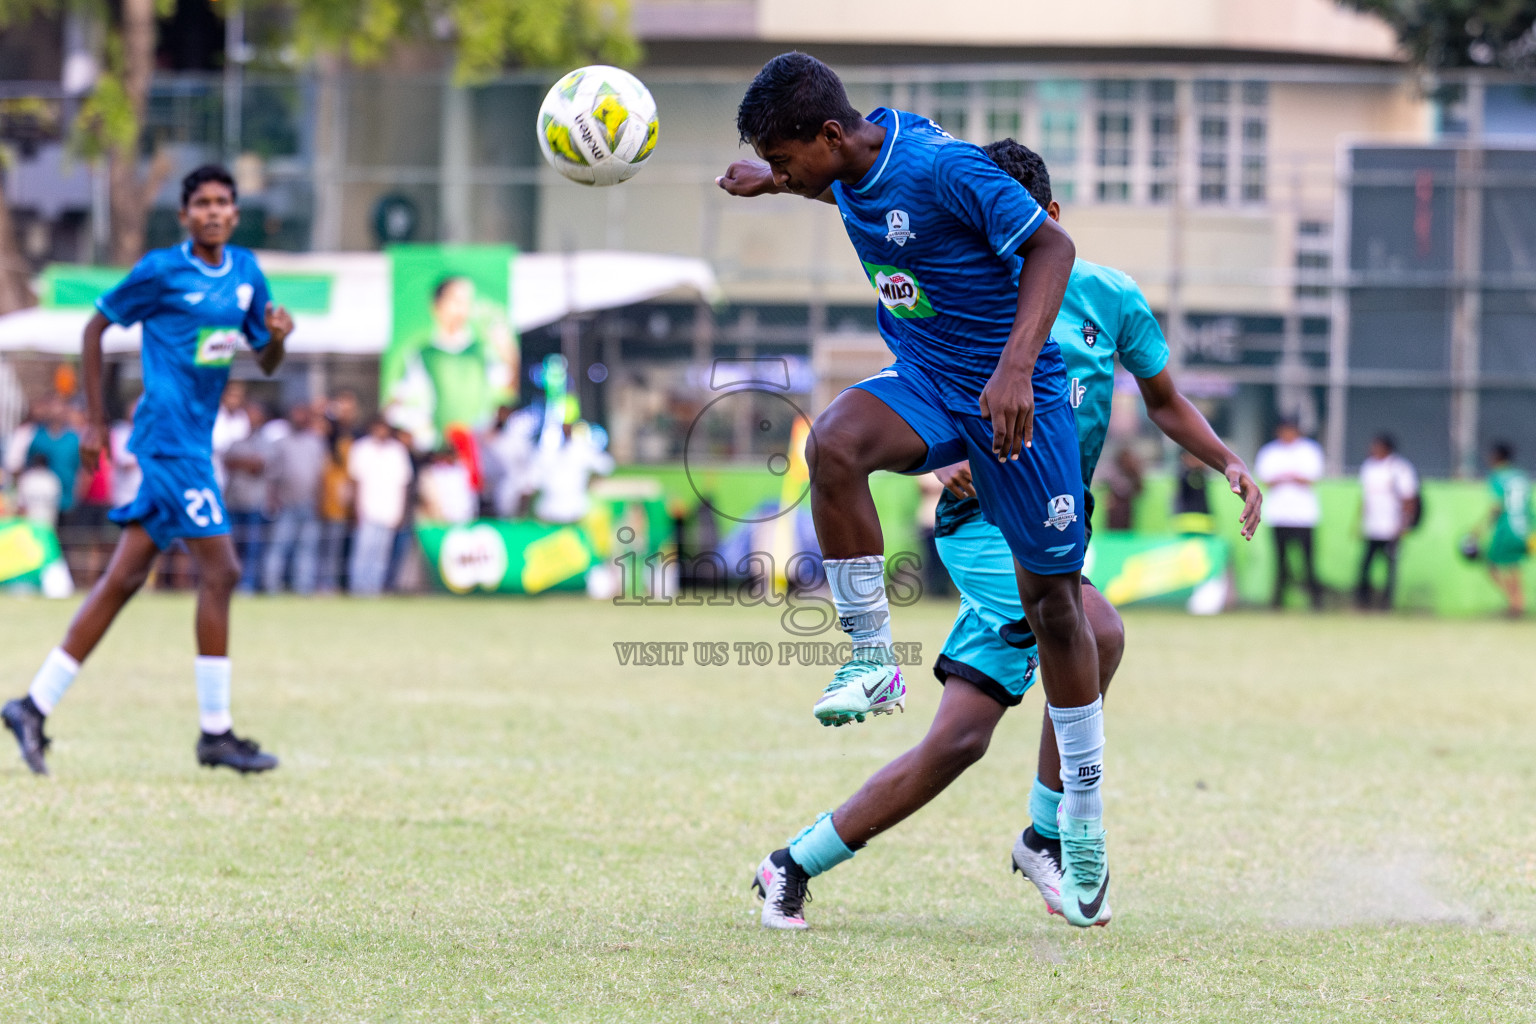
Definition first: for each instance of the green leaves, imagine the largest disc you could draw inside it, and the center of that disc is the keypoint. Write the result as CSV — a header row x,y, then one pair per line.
x,y
1461,33
488,35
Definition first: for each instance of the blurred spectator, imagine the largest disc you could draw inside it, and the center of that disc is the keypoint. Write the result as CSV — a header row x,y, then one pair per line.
x,y
447,494
91,536
247,496
341,414
1389,490
512,451
1288,466
59,446
1191,504
294,474
38,492
380,467
231,424
1510,522
14,460
565,469
126,474
1124,478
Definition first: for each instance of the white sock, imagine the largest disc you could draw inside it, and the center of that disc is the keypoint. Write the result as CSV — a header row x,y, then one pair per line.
x,y
48,686
858,590
1080,741
213,694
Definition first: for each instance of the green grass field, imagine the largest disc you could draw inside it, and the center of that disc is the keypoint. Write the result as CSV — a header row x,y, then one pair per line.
x,y
482,816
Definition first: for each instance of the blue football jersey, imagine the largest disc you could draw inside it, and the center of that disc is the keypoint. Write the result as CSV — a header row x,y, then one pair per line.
x,y
936,225
1103,315
194,317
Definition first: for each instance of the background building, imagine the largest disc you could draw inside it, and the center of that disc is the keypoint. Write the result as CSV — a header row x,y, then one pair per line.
x,y
1260,168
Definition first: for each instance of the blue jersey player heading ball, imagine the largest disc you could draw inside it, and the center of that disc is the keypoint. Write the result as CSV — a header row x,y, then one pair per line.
x,y
969,273
989,661
197,302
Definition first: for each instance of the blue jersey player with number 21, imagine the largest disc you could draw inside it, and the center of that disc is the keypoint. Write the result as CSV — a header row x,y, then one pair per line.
x,y
197,303
970,274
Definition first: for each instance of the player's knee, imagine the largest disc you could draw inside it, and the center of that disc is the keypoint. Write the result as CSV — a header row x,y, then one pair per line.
x,y
127,582
1056,613
221,575
1109,635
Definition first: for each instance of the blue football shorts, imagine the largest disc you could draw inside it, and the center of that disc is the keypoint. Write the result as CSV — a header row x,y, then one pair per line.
x,y
1034,500
178,497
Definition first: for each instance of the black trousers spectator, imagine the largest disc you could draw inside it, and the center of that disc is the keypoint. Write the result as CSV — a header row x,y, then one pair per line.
x,y
1364,592
1287,537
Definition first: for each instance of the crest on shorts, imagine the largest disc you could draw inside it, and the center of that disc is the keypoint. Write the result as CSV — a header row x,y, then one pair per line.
x,y
1061,511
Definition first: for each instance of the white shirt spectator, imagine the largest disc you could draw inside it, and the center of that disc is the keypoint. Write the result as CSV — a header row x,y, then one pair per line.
x,y
382,471
564,471
446,494
16,446
125,465
38,493
228,427
1279,467
1385,486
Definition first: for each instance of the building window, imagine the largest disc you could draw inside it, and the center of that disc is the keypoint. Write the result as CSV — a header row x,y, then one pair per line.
x,y
1113,148
1163,141
1060,111
1254,147
1213,159
1314,260
951,107
1005,110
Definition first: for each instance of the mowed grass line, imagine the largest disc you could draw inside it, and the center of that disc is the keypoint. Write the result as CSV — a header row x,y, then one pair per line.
x,y
482,816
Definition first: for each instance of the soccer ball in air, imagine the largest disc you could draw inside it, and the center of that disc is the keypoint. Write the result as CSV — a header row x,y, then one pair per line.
x,y
597,126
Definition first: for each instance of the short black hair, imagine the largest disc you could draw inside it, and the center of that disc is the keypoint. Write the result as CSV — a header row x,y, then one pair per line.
x,y
1387,441
1503,451
1024,166
442,286
202,176
790,99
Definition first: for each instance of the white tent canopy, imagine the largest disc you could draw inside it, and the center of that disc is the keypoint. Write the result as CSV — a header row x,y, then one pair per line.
x,y
545,288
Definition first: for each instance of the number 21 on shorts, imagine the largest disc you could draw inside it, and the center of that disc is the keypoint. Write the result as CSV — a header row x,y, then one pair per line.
x,y
197,500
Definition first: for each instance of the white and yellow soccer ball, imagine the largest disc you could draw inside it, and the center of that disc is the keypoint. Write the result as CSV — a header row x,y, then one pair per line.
x,y
597,125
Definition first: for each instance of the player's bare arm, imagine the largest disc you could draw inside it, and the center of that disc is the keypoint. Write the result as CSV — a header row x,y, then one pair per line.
x,y
1177,417
94,437
749,178
1008,400
279,326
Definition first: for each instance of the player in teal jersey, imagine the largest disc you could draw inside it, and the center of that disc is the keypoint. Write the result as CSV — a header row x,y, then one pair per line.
x,y
989,660
198,303
1510,519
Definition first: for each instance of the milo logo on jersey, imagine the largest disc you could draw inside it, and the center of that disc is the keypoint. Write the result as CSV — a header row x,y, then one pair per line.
x,y
216,346
899,291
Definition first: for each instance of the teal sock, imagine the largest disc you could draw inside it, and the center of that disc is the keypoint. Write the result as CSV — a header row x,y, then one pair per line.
x,y
1042,808
819,848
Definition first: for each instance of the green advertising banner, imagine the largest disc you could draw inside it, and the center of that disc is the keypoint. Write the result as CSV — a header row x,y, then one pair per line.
x,y
452,356
30,557
1131,567
525,556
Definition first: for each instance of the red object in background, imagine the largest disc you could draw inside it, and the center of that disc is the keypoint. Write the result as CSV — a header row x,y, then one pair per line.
x,y
99,490
1423,212
468,448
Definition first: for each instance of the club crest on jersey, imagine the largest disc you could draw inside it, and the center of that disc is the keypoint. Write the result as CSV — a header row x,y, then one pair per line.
x,y
1090,333
898,227
1061,511
243,296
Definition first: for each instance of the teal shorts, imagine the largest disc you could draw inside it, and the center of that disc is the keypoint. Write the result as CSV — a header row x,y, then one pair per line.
x,y
989,646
